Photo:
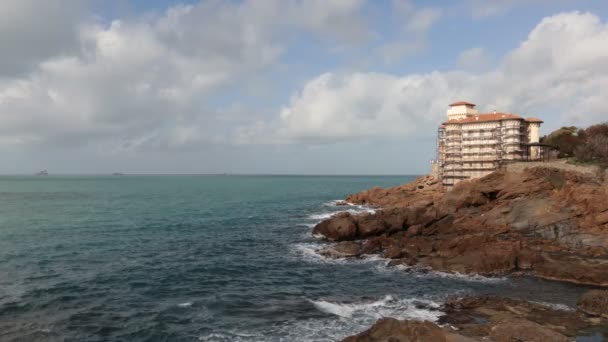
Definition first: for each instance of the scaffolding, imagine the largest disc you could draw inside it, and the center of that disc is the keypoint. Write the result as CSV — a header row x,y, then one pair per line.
x,y
467,153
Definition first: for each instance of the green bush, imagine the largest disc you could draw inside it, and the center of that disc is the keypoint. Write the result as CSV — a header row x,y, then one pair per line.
x,y
587,146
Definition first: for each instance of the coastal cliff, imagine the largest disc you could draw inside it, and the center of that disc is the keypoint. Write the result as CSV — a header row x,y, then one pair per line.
x,y
548,221
542,221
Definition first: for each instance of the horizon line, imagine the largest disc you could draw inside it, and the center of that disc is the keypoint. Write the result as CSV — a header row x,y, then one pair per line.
x,y
206,174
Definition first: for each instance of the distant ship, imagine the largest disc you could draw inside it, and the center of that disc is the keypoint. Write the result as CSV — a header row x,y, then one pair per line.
x,y
42,173
118,174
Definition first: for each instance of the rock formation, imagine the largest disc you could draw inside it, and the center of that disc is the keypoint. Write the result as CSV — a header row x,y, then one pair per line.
x,y
542,221
485,318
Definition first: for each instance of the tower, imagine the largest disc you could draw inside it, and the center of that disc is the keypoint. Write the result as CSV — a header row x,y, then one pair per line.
x,y
461,110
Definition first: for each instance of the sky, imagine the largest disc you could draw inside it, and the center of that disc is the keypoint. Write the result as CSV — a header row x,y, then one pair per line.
x,y
282,86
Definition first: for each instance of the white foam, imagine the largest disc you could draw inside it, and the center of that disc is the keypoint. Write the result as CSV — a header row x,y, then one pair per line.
x,y
309,252
230,337
327,215
340,320
427,273
389,306
323,216
185,305
555,306
473,277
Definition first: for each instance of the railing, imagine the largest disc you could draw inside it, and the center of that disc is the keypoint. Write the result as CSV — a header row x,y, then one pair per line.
x,y
481,152
481,142
479,137
482,159
479,167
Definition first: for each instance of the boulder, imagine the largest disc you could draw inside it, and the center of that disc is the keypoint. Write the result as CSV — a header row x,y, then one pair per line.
x,y
393,330
345,249
340,227
513,329
545,221
370,225
594,302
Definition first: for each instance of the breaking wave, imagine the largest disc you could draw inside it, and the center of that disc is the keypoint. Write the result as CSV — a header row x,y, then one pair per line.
x,y
309,252
389,306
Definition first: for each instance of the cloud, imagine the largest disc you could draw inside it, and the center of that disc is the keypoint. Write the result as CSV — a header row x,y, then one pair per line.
x,y
411,37
538,78
473,59
150,80
490,8
423,19
32,31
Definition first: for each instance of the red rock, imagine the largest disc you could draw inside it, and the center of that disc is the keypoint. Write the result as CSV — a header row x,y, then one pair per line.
x,y
548,222
594,302
393,330
523,330
341,227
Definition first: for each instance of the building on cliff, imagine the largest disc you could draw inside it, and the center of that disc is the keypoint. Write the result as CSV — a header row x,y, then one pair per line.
x,y
472,145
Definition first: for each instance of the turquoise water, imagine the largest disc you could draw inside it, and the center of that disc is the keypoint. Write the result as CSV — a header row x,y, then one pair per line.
x,y
202,258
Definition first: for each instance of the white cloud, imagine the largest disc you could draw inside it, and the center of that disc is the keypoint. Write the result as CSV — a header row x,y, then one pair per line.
x,y
489,8
32,31
559,73
411,37
146,80
473,59
423,19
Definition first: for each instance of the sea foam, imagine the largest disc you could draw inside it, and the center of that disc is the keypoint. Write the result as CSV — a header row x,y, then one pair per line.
x,y
389,306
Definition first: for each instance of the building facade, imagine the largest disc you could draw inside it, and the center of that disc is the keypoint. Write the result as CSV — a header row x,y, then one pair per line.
x,y
472,145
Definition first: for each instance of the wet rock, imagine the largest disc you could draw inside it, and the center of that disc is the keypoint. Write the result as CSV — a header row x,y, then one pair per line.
x,y
512,329
546,222
393,330
594,302
340,227
346,249
486,318
370,225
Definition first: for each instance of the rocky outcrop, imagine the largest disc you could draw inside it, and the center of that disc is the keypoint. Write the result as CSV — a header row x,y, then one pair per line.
x,y
390,329
485,318
425,187
594,303
547,222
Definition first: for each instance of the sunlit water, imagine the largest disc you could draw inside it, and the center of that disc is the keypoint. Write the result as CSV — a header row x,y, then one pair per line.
x,y
203,258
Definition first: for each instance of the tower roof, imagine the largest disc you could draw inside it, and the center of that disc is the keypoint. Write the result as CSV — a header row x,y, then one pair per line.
x,y
485,118
534,120
462,103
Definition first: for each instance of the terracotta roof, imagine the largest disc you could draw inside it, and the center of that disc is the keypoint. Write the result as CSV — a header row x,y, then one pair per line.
x,y
534,120
460,103
485,117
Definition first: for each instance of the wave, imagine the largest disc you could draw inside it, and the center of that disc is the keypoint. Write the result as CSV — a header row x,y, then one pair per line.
x,y
184,305
231,337
555,306
473,277
339,321
428,273
309,252
410,308
352,208
327,215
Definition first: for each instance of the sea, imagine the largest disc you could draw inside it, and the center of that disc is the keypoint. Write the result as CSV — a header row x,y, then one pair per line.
x,y
205,258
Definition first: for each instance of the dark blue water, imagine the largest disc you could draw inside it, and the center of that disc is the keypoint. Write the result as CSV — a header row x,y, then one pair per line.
x,y
201,258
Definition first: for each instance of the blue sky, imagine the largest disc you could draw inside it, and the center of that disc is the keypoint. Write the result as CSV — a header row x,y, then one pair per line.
x,y
282,86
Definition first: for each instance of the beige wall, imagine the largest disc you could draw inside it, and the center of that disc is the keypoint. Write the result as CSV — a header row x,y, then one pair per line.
x,y
533,132
460,112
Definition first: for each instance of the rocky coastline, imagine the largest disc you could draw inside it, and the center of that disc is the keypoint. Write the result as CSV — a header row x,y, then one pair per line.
x,y
541,221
